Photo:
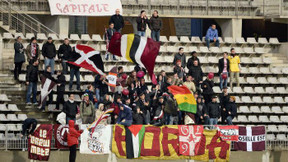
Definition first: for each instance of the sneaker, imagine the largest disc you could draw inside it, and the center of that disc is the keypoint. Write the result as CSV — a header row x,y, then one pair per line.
x,y
43,111
29,103
114,59
36,103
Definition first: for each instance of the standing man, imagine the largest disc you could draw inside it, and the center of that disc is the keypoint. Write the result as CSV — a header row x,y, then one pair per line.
x,y
207,87
108,35
74,71
196,72
87,111
61,81
142,21
212,36
31,81
19,57
63,54
70,108
235,68
223,66
180,56
231,110
33,51
224,100
117,20
213,109
155,24
49,53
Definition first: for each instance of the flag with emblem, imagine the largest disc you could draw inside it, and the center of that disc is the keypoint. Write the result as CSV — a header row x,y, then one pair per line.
x,y
184,98
136,49
87,58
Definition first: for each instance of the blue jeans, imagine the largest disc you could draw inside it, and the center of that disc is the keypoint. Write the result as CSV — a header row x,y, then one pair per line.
x,y
155,35
107,56
75,72
67,119
32,87
126,123
64,66
209,41
97,94
50,62
173,120
223,81
147,117
229,120
141,33
167,118
206,120
213,121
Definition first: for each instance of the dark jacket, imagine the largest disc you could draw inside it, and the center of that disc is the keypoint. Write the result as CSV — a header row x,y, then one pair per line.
x,y
221,65
70,109
201,109
125,114
19,52
209,87
118,21
64,51
155,23
61,80
179,70
73,134
138,118
49,50
32,73
143,108
27,124
180,57
170,107
231,107
48,75
90,93
213,110
110,33
191,60
224,100
73,56
141,23
197,73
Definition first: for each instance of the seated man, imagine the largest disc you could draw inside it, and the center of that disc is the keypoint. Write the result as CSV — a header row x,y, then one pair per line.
x,y
212,36
125,115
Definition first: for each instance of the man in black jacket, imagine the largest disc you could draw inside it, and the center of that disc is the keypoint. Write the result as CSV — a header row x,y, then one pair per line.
x,y
231,110
213,110
19,57
223,66
63,54
108,35
224,99
155,24
70,108
49,53
31,81
138,117
117,20
201,110
180,56
28,127
144,107
61,80
192,59
142,21
196,72
74,70
207,87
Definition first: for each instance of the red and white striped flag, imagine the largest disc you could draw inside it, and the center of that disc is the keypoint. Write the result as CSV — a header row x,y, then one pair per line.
x,y
47,86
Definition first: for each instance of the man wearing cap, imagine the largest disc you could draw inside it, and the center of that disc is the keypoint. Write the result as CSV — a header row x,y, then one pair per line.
x,y
207,87
49,53
231,110
224,99
87,112
213,110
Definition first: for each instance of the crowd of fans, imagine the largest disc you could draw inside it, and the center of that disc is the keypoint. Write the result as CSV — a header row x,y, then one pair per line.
x,y
132,101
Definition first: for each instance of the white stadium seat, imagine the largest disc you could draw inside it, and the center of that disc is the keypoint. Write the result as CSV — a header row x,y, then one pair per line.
x,y
281,137
196,40
41,36
272,128
173,39
253,118
22,117
229,40
248,90
257,99
255,109
283,128
242,118
262,40
274,119
268,99
12,117
251,40
270,137
85,37
262,80
3,107
274,41
276,110
278,100
185,39
53,36
2,127
270,90
246,99
284,119
244,109
264,119
240,40
13,107
97,37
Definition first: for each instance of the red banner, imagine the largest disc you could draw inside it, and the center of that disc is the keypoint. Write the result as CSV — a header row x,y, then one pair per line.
x,y
60,135
228,132
39,143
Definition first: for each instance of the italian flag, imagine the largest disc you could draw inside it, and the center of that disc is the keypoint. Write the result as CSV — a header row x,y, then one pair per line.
x,y
184,98
134,138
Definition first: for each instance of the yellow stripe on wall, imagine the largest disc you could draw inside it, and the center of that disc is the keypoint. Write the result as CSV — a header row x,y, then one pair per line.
x,y
181,98
130,39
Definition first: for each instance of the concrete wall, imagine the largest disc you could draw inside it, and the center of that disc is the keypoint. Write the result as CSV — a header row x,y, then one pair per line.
x,y
231,27
59,24
284,48
63,156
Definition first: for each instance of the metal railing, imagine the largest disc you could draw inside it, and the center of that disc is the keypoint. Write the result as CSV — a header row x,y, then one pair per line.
x,y
20,22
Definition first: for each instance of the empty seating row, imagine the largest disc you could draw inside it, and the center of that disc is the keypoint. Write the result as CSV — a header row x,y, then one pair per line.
x,y
278,137
257,90
10,136
13,117
10,107
263,109
11,127
279,128
261,100
261,119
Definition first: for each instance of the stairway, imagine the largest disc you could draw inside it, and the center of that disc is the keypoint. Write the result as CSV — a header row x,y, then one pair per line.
x,y
17,94
278,59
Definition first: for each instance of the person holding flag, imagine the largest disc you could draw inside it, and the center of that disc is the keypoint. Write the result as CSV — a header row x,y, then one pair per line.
x,y
108,35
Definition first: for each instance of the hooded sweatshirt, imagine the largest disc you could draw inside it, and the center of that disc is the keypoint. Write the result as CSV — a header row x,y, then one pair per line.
x,y
73,134
211,34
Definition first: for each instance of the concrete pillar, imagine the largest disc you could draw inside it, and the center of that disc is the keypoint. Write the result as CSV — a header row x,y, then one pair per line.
x,y
1,53
59,24
63,24
231,27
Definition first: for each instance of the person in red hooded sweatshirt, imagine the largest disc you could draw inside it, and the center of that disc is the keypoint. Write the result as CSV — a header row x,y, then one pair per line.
x,y
72,139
